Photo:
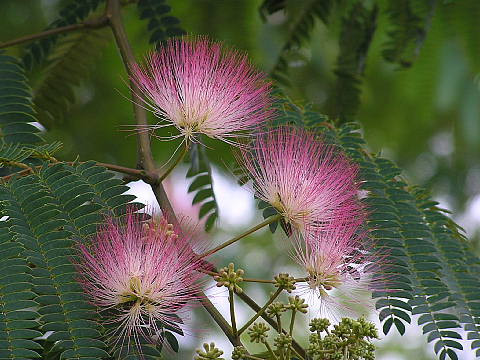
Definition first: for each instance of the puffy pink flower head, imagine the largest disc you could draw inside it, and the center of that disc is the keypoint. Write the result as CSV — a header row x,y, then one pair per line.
x,y
308,182
340,267
200,88
141,274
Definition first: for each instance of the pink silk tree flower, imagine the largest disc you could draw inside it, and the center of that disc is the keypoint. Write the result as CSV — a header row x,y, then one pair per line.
x,y
307,181
141,276
340,267
200,88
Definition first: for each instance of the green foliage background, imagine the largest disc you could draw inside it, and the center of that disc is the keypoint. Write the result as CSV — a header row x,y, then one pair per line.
x,y
407,71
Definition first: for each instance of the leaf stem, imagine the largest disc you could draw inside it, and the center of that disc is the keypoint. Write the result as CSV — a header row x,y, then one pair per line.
x,y
88,24
135,173
261,311
270,220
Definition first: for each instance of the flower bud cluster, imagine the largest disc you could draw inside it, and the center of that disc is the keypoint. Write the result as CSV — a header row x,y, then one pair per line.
x,y
230,278
209,352
349,339
285,281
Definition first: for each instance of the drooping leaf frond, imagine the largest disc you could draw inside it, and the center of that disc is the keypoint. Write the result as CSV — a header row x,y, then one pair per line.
x,y
69,64
73,12
410,22
357,30
300,28
16,113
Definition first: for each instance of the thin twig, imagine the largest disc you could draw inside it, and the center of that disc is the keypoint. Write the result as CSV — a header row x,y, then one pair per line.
x,y
88,24
261,311
255,307
270,220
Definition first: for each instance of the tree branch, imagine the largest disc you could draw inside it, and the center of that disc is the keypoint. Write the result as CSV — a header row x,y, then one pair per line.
x,y
88,24
144,153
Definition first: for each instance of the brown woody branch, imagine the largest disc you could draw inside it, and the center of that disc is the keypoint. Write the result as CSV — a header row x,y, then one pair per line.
x,y
145,158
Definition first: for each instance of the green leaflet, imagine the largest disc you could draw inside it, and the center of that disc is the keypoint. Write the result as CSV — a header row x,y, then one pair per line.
x,y
269,7
200,173
161,25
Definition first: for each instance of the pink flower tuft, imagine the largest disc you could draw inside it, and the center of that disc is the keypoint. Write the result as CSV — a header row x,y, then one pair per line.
x,y
341,267
200,88
140,274
307,181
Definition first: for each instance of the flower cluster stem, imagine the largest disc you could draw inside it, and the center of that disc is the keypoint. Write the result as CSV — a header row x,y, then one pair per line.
x,y
232,313
261,311
270,350
292,322
268,221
